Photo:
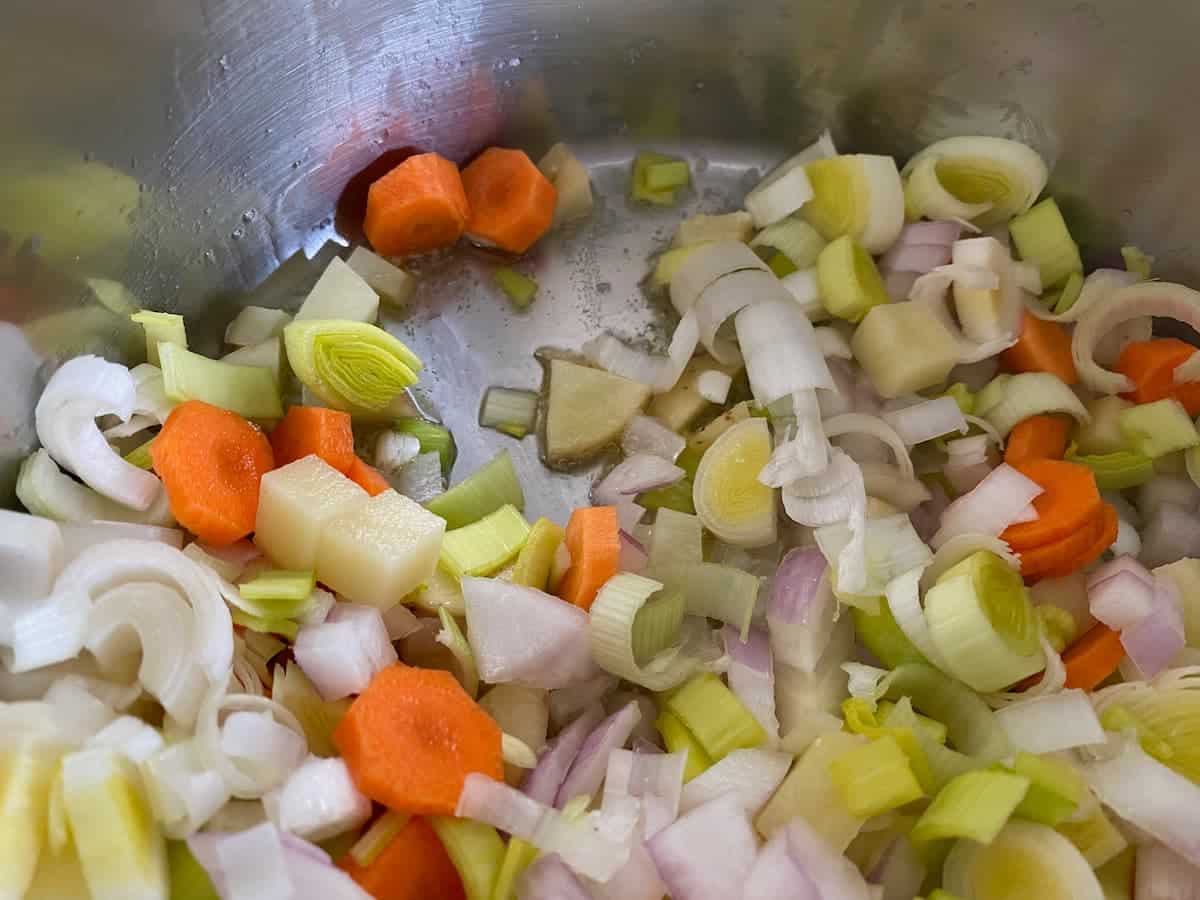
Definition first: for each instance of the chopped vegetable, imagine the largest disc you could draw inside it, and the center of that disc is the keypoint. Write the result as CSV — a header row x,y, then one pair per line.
x,y
1024,860
434,438
860,196
728,497
849,282
293,690
488,489
160,328
1056,789
1038,437
411,738
974,805
1118,471
486,546
532,568
904,348
511,202
587,409
376,838
367,478
881,635
592,540
875,778
714,716
984,179
677,738
1042,238
809,792
389,281
1042,347
420,205
314,429
570,180
267,355
476,851
295,502
1151,365
1095,836
509,411
683,403
413,866
1093,658
1137,262
340,293
1158,428
518,856
1068,500
349,365
650,169
249,391
519,289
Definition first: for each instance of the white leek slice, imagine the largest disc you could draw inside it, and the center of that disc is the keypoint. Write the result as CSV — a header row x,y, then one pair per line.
x,y
859,423
26,775
184,792
891,548
1024,860
255,324
993,179
903,595
247,777
83,389
780,194
803,449
120,848
730,500
958,548
705,266
987,314
47,491
725,298
612,623
31,556
1048,724
859,195
795,239
1097,286
1032,394
781,350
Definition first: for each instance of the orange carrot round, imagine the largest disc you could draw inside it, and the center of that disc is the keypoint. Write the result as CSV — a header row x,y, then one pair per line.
x,y
594,542
1150,365
367,478
420,205
414,866
1093,657
306,430
512,202
1042,347
1038,437
1060,558
211,461
1069,500
413,736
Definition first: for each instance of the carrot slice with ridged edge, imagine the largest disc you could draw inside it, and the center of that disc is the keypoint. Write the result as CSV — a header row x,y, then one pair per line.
x,y
413,736
593,540
512,202
1151,365
1038,437
306,430
1069,500
413,866
420,205
211,462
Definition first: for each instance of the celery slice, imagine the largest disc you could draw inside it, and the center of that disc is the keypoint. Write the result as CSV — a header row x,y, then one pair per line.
x,y
249,391
646,163
676,497
285,627
376,838
451,637
1137,262
1095,836
976,805
160,328
518,288
486,546
890,714
512,412
278,594
140,456
188,878
1119,470
1041,237
676,737
1069,294
875,778
1158,428
518,856
656,626
850,283
292,689
715,716
1055,789
349,365
532,568
491,487
665,176
476,851
434,438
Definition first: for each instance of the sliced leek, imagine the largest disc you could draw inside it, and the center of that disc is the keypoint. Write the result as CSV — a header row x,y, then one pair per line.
x,y
376,838
1018,397
532,568
1156,429
486,546
1042,238
1056,789
349,365
860,196
1137,262
613,627
26,776
904,348
795,239
729,499
975,805
293,690
676,737
713,591
848,280
249,391
1024,860
160,328
875,778
1165,713
519,288
1119,470
476,851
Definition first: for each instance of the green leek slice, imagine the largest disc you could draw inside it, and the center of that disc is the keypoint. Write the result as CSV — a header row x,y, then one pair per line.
x,y
729,499
486,546
518,288
859,718
283,627
1119,470
614,633
715,716
518,856
1041,237
880,634
981,620
1166,715
875,778
376,838
860,196
1069,293
976,805
349,365
476,851
1055,789
1024,860
677,497
140,456
713,591
441,589
532,568
249,391
795,239
676,539
160,328
489,488
509,411
676,737
850,283
651,169
656,626
434,438
1158,428
970,724
1017,397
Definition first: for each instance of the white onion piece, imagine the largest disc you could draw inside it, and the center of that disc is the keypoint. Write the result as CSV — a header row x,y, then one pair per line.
x,y
802,450
648,435
751,675
1150,796
1161,874
1172,532
934,283
636,880
555,760
926,420
548,878
319,800
1122,565
252,781
751,776
633,554
996,502
590,764
565,704
714,386
150,394
1172,301
801,610
129,736
257,744
885,482
899,871
1121,599
79,712
781,351
610,354
343,653
82,390
797,862
916,259
1156,640
706,265
638,473
858,423
1052,723
184,792
708,853
522,634
32,552
656,779
806,291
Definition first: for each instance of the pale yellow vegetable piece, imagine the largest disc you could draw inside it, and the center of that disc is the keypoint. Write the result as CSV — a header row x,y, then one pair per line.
x,y
680,406
588,409
730,500
734,226
904,348
294,503
809,792
340,293
570,179
705,437
380,551
1185,575
267,355
441,589
1103,433
521,712
389,281
25,778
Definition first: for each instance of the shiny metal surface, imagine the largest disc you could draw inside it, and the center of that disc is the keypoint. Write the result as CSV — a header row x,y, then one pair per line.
x,y
184,148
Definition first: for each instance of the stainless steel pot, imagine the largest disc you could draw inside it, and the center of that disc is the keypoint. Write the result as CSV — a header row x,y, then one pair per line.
x,y
182,149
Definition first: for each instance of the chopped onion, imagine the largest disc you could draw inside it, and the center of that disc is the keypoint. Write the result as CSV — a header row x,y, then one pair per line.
x,y
751,776
1121,597
799,862
801,610
1052,723
781,351
77,537
184,792
1172,532
1156,640
708,853
555,760
648,435
634,475
590,764
319,800
926,420
257,776
996,502
656,779
1161,874
610,354
548,878
342,654
751,675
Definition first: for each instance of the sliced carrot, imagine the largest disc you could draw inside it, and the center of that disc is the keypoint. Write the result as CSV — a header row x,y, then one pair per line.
x,y
420,205
512,202
1069,499
367,478
413,736
1150,365
414,866
306,430
1060,558
1038,437
1042,347
1093,657
211,461
593,539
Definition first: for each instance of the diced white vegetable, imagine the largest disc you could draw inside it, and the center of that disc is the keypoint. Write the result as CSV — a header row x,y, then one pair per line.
x,y
904,348
389,281
31,556
266,355
294,503
319,800
340,293
342,653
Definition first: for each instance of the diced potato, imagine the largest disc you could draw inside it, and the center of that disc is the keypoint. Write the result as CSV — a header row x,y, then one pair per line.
x,y
267,355
679,407
380,551
570,179
294,503
31,555
734,226
340,293
904,348
587,409
389,281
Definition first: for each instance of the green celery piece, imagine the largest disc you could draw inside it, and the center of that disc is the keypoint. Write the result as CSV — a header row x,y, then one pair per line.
x,y
491,487
970,724
1158,428
689,461
279,584
189,880
677,496
249,391
975,805
1070,292
536,558
1042,238
875,778
1137,262
518,856
676,737
476,851
140,456
883,637
1118,471
666,176
285,627
641,189
520,289
962,396
715,716
780,265
160,328
486,546
861,719
1055,789
657,624
434,438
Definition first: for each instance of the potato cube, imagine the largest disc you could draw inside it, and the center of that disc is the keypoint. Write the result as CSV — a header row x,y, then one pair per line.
x,y
380,551
389,281
340,293
904,348
294,503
